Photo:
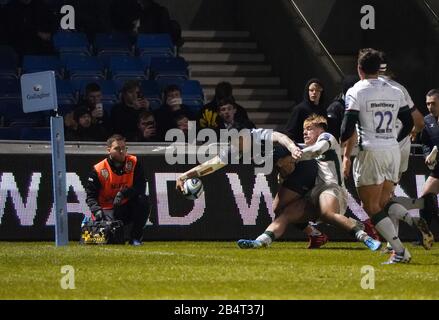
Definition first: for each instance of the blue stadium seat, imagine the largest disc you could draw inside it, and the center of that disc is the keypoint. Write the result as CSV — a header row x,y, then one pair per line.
x,y
64,109
113,44
12,115
152,92
35,133
8,133
155,45
10,90
167,81
192,94
43,63
8,63
66,93
126,68
71,42
84,67
108,88
169,67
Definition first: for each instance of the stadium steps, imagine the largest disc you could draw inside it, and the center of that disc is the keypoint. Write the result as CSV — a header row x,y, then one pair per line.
x,y
233,56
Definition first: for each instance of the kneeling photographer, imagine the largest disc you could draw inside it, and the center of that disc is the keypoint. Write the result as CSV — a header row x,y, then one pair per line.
x,y
116,189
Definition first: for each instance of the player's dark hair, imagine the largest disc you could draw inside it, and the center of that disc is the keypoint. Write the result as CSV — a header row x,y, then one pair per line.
x,y
369,60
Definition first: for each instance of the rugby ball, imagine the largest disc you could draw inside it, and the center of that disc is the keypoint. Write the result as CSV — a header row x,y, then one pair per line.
x,y
193,188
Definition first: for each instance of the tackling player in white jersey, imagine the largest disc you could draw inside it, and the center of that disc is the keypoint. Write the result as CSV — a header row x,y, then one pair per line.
x,y
328,195
372,107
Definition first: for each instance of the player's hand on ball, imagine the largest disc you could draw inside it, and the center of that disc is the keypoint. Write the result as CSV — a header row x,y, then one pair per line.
x,y
179,185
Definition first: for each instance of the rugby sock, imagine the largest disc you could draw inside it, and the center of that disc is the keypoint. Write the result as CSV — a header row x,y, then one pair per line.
x,y
385,227
359,234
398,212
266,238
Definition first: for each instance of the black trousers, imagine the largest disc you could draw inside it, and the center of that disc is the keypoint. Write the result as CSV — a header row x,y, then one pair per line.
x,y
135,211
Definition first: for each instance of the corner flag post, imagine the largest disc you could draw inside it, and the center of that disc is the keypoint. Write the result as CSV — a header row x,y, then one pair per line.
x,y
38,91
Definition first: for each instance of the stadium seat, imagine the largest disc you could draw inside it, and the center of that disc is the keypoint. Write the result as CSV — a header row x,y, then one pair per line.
x,y
126,68
65,93
13,116
10,90
83,67
64,109
112,44
8,133
35,133
169,67
192,94
155,45
8,63
108,88
152,92
43,63
167,81
71,42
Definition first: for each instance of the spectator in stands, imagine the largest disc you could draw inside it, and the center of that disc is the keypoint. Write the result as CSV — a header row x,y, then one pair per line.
x,y
173,106
147,128
144,16
208,116
30,25
154,18
124,14
228,115
313,103
337,107
116,189
86,129
93,101
125,115
92,16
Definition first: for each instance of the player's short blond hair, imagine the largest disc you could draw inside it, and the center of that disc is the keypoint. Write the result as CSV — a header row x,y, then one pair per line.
x,y
316,120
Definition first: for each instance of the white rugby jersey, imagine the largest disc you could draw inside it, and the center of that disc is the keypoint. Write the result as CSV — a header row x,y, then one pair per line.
x,y
329,163
378,103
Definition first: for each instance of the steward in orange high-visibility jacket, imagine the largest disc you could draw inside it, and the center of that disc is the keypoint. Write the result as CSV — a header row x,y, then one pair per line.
x,y
116,189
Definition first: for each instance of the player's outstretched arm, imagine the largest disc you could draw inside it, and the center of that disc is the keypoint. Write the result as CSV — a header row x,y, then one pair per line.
x,y
203,169
285,141
316,150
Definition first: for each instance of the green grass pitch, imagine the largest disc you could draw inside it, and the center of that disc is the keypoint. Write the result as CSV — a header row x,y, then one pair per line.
x,y
212,270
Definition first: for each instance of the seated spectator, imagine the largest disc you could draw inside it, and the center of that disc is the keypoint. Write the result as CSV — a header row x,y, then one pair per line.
x,y
144,16
86,130
30,25
208,116
125,115
313,102
93,101
228,115
92,16
124,14
147,128
154,18
173,105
